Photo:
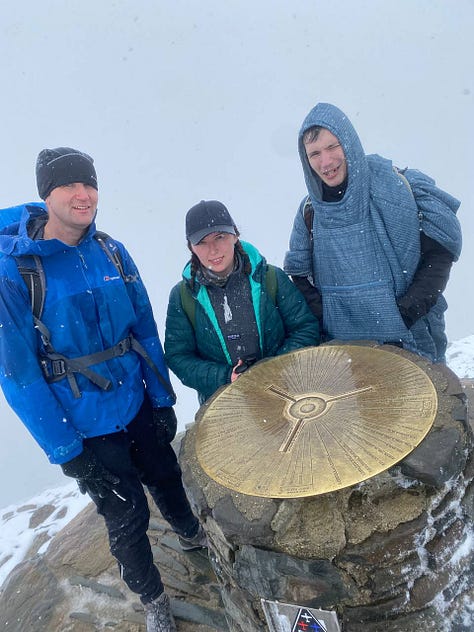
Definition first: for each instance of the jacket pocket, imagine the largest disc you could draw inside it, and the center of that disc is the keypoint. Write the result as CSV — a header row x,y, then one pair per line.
x,y
367,311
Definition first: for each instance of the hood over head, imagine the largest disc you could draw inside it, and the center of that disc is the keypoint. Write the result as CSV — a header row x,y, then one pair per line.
x,y
333,119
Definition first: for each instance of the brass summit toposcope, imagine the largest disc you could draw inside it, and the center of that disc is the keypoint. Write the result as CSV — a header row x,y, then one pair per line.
x,y
314,421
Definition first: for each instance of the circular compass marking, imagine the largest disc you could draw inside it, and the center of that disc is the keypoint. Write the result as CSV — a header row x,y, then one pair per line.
x,y
314,420
309,407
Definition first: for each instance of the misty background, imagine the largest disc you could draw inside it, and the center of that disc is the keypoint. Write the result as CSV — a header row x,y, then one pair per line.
x,y
188,100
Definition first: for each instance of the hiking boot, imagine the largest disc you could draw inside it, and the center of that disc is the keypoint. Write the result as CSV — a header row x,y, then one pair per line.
x,y
158,615
198,541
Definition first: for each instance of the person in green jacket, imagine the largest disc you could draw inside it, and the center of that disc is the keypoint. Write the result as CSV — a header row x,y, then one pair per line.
x,y
231,309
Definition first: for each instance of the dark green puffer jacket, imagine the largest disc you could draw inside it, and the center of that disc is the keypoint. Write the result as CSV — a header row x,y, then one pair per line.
x,y
203,362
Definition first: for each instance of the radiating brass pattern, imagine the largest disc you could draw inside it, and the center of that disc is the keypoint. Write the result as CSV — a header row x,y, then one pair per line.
x,y
314,421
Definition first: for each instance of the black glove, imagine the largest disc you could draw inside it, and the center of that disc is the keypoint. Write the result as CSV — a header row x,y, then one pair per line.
x,y
165,423
92,477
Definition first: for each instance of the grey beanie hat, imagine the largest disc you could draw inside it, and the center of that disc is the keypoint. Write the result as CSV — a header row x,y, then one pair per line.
x,y
63,165
206,217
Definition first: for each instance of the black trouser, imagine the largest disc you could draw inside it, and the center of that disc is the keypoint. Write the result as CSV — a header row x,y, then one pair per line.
x,y
138,459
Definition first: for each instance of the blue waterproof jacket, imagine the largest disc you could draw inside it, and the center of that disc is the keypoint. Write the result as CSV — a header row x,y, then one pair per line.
x,y
367,245
88,308
200,358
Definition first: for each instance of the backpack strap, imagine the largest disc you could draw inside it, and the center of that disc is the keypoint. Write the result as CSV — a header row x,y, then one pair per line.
x,y
31,269
271,282
140,349
113,253
188,302
401,174
32,272
308,215
56,366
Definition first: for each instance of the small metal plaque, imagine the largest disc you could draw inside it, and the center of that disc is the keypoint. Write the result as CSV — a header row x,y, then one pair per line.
x,y
314,421
284,617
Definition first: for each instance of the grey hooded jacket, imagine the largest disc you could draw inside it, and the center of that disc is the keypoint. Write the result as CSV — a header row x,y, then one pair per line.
x,y
367,246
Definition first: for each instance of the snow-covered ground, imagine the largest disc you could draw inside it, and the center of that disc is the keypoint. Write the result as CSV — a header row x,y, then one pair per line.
x,y
18,527
460,357
17,533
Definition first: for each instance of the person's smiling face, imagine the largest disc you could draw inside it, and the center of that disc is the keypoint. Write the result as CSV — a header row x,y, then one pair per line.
x,y
326,158
216,252
71,210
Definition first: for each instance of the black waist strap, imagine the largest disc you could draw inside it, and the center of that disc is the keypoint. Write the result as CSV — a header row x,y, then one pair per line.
x,y
56,366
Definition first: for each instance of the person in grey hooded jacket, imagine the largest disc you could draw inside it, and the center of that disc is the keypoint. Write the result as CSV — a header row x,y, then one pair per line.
x,y
371,247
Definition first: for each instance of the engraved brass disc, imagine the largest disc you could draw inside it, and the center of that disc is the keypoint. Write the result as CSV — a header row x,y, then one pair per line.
x,y
314,421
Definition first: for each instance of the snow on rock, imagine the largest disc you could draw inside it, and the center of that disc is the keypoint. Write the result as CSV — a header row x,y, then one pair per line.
x,y
27,529
460,357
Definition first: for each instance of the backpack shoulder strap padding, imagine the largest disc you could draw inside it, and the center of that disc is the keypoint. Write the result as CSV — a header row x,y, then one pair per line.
x,y
308,214
31,269
188,303
271,282
113,253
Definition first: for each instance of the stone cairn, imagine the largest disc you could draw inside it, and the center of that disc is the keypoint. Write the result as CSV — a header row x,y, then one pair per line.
x,y
393,553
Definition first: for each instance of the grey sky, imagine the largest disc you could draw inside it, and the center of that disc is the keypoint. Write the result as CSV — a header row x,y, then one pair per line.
x,y
184,100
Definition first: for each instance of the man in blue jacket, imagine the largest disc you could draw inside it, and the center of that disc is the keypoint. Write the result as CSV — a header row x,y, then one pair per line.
x,y
371,249
87,377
